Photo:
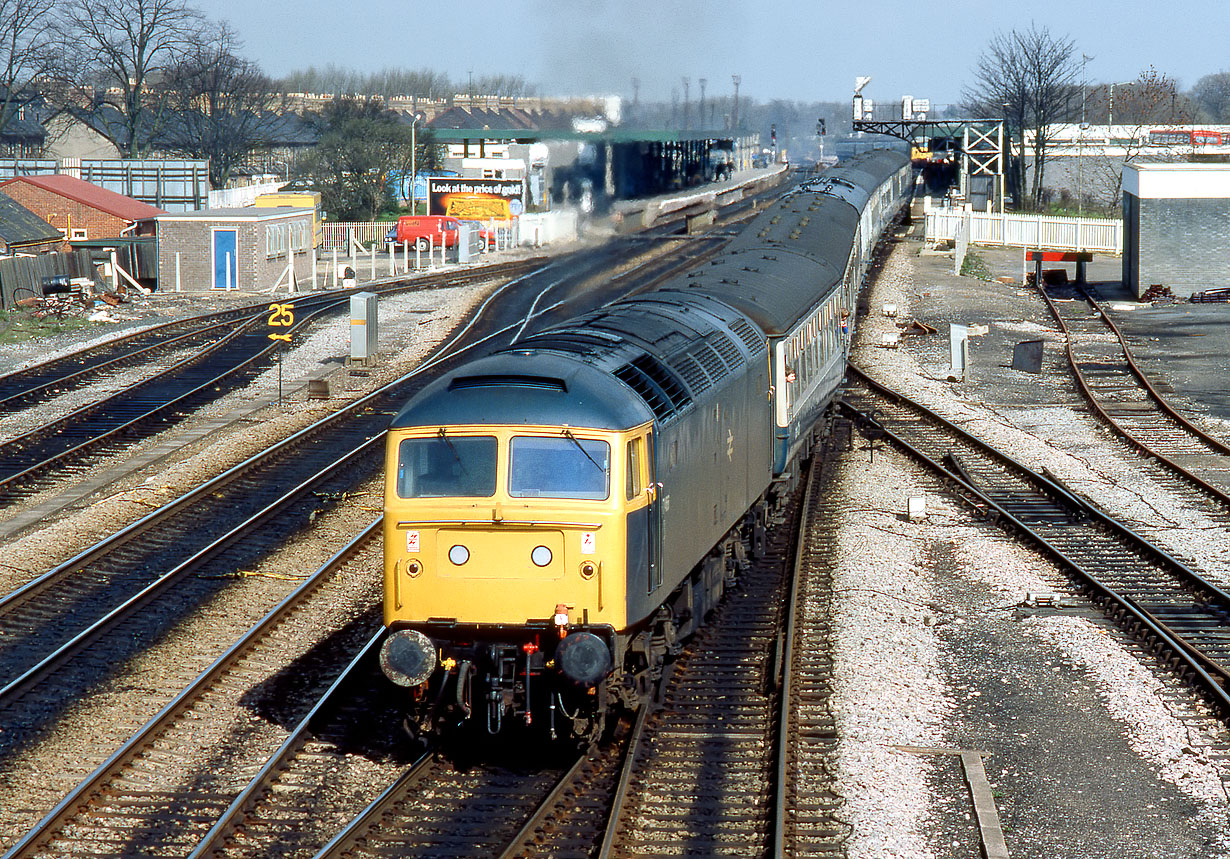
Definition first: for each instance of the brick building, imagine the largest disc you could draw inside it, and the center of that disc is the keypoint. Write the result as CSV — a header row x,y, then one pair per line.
x,y
1176,226
21,231
244,249
79,209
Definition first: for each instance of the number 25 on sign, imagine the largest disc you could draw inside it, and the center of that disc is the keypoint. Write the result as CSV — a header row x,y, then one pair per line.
x,y
281,316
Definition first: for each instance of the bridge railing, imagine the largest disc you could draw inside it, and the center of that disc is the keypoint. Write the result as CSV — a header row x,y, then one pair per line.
x,y
1103,235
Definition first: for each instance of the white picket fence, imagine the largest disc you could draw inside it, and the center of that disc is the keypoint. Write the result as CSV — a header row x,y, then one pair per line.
x,y
531,229
1028,231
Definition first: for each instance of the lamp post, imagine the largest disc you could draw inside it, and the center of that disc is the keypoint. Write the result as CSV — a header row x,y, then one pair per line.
x,y
413,175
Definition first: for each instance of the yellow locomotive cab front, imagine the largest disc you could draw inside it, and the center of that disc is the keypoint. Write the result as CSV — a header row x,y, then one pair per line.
x,y
503,526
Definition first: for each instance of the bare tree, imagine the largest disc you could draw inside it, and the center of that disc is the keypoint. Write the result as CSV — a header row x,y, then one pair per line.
x,y
217,104
26,52
1152,100
1029,77
126,46
1212,94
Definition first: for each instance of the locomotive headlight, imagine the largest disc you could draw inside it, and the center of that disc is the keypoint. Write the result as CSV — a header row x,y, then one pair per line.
x,y
588,569
408,657
541,556
459,555
413,567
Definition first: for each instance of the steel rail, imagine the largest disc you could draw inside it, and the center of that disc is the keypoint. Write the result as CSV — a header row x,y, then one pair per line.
x,y
790,606
1189,655
49,663
1217,446
174,709
232,817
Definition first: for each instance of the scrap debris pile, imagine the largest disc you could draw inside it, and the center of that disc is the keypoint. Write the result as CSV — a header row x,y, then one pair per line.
x,y
65,297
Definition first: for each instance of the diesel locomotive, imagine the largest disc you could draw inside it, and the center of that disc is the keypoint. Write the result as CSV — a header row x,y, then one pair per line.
x,y
560,513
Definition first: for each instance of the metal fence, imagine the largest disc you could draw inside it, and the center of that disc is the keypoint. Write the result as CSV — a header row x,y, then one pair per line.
x,y
337,234
1028,231
176,185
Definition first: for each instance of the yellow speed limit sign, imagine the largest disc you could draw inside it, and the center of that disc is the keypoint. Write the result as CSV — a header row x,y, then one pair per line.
x,y
281,316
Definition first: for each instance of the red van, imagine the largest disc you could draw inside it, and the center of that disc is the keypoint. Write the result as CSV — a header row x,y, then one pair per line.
x,y
423,231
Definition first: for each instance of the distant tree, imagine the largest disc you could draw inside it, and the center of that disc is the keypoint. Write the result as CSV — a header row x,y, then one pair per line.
x,y
1212,95
1152,100
127,46
387,83
363,148
27,52
1029,77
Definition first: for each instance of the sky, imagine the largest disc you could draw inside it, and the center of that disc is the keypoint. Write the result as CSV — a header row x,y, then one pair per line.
x,y
808,51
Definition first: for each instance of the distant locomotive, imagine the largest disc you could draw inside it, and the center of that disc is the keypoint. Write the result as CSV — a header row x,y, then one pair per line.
x,y
560,513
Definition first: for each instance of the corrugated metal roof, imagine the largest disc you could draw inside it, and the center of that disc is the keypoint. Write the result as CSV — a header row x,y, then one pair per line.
x,y
91,195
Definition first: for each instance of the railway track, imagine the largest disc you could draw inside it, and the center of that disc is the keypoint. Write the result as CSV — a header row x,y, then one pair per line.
x,y
1126,400
161,793
1176,611
32,461
116,598
84,366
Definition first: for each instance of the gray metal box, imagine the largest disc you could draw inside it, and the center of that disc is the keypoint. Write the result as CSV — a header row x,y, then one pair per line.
x,y
364,333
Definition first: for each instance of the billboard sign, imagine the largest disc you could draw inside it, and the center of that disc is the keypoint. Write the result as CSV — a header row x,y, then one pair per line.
x,y
475,199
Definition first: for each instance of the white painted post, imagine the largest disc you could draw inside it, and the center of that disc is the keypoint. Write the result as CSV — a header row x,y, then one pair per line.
x,y
292,283
405,257
228,270
314,286
373,277
334,269
178,287
392,257
418,257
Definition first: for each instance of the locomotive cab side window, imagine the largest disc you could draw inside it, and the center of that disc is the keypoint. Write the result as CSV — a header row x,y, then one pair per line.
x,y
568,467
635,482
446,466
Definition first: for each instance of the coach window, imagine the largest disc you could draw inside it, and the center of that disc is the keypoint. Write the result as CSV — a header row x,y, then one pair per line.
x,y
635,480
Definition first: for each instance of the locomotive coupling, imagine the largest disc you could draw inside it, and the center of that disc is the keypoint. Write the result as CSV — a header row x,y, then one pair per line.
x,y
407,657
584,659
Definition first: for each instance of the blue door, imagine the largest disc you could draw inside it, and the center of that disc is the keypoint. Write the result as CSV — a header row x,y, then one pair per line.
x,y
226,259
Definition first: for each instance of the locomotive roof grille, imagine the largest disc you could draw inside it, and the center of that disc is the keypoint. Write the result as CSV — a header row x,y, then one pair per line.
x,y
750,337
655,384
691,371
711,361
726,347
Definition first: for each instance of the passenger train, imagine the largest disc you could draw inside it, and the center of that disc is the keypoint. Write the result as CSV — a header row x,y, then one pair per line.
x,y
560,513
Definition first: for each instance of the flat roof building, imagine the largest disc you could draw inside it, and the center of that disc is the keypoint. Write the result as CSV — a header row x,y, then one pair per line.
x,y
1176,226
244,249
